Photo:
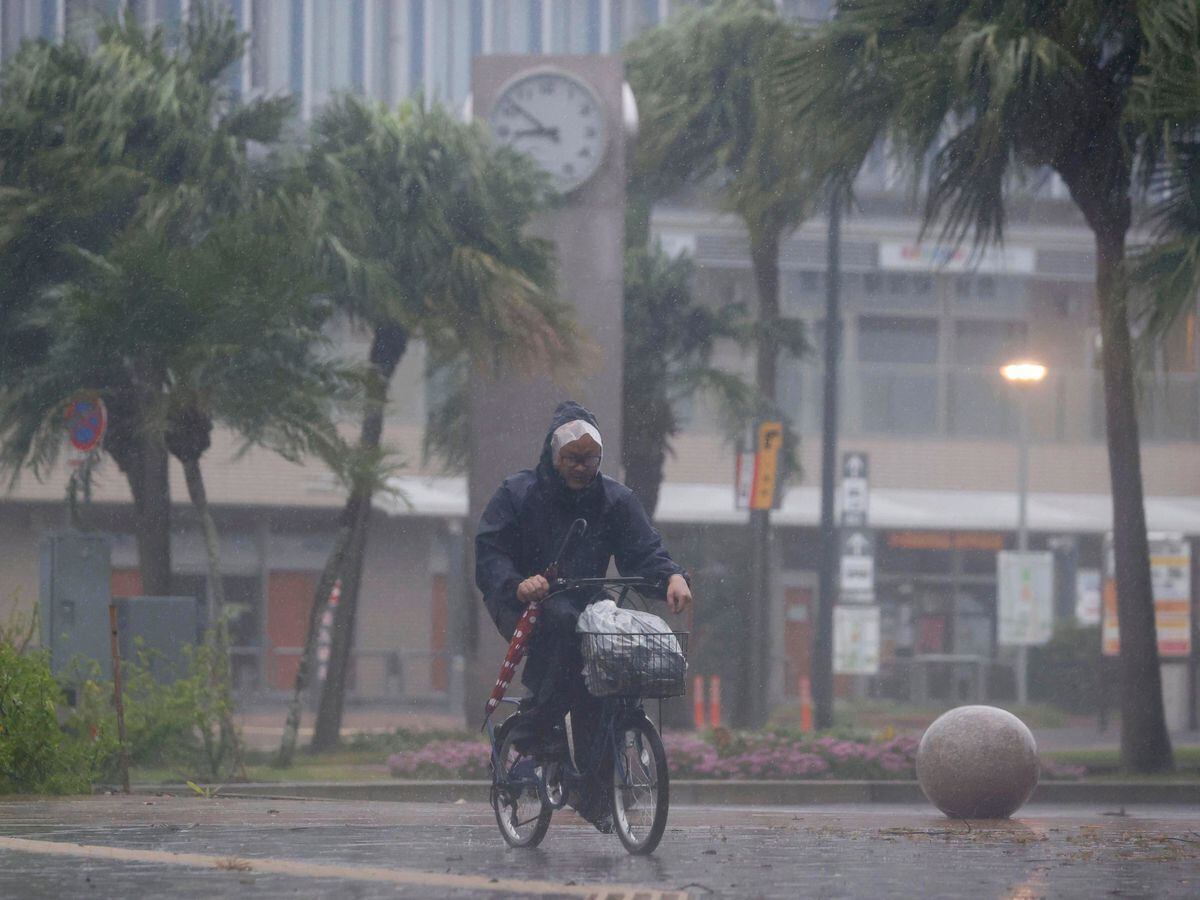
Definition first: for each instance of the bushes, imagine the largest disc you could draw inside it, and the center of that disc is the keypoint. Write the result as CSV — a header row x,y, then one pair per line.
x,y
173,725
48,747
36,756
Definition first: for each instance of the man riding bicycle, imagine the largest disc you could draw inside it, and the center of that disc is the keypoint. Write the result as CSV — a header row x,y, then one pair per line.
x,y
521,529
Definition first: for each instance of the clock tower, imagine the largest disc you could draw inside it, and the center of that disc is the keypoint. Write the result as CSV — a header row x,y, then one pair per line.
x,y
572,116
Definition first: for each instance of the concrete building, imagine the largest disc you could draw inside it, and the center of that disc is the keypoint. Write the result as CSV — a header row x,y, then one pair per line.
x,y
925,334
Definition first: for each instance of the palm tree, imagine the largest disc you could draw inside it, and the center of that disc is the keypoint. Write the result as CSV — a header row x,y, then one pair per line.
x,y
1090,89
708,118
130,138
423,238
669,341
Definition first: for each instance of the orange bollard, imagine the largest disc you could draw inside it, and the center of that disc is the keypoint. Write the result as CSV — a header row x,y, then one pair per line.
x,y
714,701
806,722
698,701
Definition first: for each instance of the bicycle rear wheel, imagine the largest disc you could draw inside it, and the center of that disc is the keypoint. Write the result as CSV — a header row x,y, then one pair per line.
x,y
521,812
640,787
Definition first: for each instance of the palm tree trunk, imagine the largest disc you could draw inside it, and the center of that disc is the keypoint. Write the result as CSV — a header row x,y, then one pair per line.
x,y
1145,742
388,345
220,673
143,460
764,255
154,519
647,429
329,576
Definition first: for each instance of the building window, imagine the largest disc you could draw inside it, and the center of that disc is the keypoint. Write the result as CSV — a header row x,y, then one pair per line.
x,y
451,23
389,50
274,66
574,26
987,344
981,401
515,25
992,294
898,378
630,18
888,339
334,40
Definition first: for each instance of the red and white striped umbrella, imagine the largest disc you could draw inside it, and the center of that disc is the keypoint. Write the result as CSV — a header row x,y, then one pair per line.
x,y
516,652
525,626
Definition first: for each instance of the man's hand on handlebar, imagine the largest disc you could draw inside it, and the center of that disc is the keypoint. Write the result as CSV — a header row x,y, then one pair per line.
x,y
533,589
679,595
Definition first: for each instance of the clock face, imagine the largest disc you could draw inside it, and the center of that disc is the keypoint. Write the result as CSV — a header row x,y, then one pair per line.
x,y
557,121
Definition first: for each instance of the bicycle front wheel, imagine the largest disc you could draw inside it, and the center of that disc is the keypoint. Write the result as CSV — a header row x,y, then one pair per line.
x,y
640,787
521,812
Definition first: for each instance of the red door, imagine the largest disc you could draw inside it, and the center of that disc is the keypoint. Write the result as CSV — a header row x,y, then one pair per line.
x,y
289,598
125,583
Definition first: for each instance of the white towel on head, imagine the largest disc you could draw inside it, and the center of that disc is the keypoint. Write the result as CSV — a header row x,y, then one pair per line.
x,y
572,431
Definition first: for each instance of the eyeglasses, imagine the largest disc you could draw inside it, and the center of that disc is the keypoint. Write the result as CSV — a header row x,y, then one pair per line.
x,y
587,462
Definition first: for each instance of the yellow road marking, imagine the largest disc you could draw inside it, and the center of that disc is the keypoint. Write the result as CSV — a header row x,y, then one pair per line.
x,y
323,870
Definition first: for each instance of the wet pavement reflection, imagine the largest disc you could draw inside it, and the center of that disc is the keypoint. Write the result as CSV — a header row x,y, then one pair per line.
x,y
860,851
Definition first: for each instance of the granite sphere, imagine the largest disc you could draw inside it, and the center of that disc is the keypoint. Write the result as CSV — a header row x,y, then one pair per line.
x,y
977,762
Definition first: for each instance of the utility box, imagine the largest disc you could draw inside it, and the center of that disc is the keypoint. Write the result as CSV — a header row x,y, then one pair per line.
x,y
157,632
74,597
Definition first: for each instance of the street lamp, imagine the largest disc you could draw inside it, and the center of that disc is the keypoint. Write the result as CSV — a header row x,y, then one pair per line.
x,y
1025,374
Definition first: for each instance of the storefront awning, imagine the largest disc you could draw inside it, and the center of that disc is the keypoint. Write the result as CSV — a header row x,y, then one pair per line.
x,y
890,508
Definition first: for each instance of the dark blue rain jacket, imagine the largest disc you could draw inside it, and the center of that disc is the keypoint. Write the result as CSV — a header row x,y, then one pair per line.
x,y
524,525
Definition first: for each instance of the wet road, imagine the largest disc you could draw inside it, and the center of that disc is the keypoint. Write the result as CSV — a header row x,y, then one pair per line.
x,y
194,847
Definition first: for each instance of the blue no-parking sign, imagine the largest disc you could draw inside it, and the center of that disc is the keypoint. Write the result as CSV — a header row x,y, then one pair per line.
x,y
86,422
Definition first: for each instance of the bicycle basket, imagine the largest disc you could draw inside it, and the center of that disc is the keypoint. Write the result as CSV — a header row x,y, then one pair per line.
x,y
635,665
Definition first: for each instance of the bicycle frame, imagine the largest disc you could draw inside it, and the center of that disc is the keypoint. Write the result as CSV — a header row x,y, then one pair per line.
x,y
613,713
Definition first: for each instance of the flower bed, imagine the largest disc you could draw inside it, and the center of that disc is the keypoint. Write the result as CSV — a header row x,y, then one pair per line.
x,y
723,754
442,759
768,755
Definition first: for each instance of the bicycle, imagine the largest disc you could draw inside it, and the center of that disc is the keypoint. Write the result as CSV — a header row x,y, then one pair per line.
x,y
531,782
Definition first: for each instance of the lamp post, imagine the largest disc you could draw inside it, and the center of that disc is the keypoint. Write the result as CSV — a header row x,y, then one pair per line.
x,y
1024,374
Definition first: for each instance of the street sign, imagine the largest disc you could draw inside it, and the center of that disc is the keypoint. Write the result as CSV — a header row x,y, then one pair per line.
x,y
855,491
1026,598
86,422
766,465
858,566
1171,582
743,478
1087,597
856,640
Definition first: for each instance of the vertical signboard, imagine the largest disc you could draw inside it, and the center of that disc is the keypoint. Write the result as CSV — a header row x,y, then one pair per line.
x,y
857,583
766,465
1171,580
856,640
1026,598
855,491
756,472
1087,596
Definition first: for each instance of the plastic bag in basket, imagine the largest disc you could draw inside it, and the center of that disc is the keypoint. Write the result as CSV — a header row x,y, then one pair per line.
x,y
629,652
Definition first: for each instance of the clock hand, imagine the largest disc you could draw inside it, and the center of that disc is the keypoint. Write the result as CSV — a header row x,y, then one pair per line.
x,y
530,116
551,133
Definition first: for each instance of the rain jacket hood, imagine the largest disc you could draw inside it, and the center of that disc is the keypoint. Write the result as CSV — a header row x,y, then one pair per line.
x,y
547,474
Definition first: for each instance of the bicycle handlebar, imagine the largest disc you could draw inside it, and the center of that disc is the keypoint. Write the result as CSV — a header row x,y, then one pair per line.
x,y
654,586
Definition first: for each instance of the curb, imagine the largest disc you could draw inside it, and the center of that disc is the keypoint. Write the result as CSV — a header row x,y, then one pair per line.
x,y
714,793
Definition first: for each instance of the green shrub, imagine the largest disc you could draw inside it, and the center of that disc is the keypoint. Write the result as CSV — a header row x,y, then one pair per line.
x,y
36,756
167,725
1065,671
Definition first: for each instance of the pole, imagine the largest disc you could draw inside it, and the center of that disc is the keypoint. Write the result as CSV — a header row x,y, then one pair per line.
x,y
1022,528
822,655
118,699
